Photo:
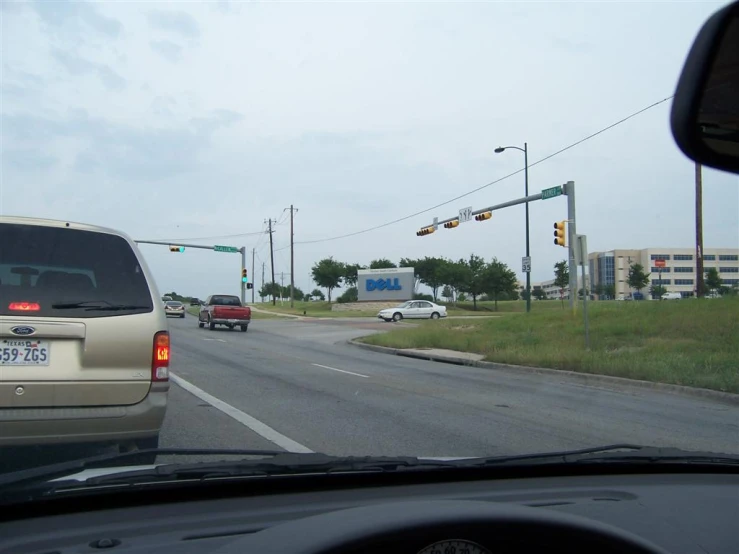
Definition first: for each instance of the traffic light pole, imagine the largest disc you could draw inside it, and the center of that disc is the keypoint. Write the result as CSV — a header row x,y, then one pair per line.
x,y
569,190
243,266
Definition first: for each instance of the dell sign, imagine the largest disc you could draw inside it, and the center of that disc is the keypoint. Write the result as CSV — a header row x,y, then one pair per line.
x,y
395,283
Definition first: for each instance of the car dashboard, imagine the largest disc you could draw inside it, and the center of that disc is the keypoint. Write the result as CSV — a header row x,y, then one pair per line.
x,y
677,513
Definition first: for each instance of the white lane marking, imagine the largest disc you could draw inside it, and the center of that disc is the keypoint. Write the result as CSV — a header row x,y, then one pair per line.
x,y
341,370
252,423
219,340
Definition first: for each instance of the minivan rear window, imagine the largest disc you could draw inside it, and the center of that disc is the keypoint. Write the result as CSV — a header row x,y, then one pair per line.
x,y
62,272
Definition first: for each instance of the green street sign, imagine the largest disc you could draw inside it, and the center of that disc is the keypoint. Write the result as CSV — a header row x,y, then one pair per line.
x,y
551,193
231,249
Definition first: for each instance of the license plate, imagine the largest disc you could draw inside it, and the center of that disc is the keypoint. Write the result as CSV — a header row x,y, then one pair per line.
x,y
24,352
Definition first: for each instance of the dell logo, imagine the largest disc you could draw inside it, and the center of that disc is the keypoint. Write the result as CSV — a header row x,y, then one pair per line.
x,y
383,284
22,331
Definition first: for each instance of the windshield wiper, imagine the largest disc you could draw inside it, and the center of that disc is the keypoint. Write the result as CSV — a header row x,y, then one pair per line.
x,y
610,454
94,305
63,469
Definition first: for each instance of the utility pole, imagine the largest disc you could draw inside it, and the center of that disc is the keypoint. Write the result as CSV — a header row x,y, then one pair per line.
x,y
292,260
700,287
572,232
253,274
272,261
282,285
262,280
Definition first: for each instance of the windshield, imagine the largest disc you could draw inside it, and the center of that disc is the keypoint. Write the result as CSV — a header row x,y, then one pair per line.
x,y
505,169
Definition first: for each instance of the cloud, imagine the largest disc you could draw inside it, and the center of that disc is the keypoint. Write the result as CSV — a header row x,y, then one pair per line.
x,y
129,153
79,66
28,159
167,49
178,22
74,15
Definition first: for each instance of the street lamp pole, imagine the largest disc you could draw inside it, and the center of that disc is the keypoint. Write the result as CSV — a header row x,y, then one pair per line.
x,y
525,151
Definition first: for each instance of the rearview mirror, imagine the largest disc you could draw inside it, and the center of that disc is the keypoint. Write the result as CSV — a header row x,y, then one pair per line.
x,y
705,110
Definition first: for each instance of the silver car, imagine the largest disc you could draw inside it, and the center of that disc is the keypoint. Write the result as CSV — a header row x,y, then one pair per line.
x,y
175,308
413,309
84,346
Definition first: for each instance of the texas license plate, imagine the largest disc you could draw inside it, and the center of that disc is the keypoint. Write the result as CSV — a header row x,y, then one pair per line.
x,y
24,352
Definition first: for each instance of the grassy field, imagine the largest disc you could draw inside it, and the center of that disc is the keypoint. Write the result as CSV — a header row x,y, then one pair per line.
x,y
687,342
323,309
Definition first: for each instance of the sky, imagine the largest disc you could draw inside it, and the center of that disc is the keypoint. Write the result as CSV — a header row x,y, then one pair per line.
x,y
183,120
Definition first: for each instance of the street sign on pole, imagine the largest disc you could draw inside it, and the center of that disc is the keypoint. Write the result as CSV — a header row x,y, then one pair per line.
x,y
526,264
660,263
551,192
465,214
230,249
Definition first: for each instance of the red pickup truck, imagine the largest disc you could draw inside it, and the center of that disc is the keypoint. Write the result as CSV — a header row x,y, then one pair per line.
x,y
224,309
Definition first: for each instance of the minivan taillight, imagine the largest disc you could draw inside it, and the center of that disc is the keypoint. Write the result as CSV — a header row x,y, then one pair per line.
x,y
160,357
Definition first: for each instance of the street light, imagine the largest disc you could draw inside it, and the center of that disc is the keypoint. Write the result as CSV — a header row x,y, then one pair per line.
x,y
525,151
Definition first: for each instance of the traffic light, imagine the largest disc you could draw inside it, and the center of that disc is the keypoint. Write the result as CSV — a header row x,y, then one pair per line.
x,y
451,224
559,233
483,216
176,248
425,231
244,278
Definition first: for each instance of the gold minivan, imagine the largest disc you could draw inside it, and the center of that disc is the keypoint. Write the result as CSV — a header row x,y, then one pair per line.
x,y
84,345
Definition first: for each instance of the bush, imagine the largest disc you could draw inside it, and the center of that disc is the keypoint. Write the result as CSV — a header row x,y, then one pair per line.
x,y
349,295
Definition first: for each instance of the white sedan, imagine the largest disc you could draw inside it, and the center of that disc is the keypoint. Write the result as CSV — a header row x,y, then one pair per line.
x,y
413,309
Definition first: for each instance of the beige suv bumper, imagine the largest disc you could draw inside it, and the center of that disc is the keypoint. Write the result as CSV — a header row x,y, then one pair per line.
x,y
48,426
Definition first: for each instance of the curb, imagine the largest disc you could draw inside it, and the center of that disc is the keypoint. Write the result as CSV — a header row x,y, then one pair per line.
x,y
585,378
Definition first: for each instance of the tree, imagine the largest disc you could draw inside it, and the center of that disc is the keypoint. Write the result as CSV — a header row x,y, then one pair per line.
x,y
317,293
328,273
598,289
270,289
609,291
446,292
430,272
382,263
657,290
474,278
350,274
285,293
561,277
637,278
298,294
349,295
539,294
713,279
499,279
453,274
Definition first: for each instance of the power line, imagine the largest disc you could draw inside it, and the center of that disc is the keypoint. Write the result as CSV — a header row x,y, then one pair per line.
x,y
215,237
394,221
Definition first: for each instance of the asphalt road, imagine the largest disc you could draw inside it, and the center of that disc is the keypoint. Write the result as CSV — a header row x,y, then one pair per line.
x,y
297,385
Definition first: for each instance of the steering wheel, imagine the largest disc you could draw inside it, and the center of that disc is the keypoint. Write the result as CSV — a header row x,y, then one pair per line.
x,y
412,526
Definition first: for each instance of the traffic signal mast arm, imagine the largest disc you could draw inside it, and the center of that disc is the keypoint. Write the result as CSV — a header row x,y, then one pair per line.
x,y
516,202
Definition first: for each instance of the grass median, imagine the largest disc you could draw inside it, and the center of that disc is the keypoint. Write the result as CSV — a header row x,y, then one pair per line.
x,y
692,342
194,310
323,309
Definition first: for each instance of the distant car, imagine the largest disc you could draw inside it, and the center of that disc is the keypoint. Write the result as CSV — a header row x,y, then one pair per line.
x,y
671,296
413,309
224,309
174,307
195,302
166,298
84,346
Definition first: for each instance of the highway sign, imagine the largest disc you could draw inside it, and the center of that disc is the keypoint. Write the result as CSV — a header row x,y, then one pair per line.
x,y
465,214
551,192
526,264
218,248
